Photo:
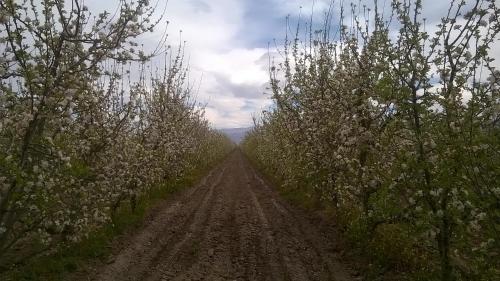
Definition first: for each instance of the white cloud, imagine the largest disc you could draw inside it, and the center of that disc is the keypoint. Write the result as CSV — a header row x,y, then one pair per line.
x,y
241,65
292,7
231,74
210,29
233,112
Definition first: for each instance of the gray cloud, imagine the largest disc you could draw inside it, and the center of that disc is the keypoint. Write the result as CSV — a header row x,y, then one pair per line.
x,y
200,6
265,59
240,90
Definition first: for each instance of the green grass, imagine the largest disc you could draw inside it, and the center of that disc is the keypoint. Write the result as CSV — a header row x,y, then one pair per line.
x,y
97,247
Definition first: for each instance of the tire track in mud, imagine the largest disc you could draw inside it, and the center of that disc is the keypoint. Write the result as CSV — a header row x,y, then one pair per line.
x,y
199,253
185,237
331,269
280,267
289,245
231,226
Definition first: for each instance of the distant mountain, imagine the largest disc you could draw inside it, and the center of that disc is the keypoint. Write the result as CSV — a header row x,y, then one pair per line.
x,y
236,134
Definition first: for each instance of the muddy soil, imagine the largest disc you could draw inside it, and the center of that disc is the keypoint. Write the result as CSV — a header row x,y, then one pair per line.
x,y
230,226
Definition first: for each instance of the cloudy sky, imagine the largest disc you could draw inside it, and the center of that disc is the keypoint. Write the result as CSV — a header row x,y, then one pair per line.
x,y
228,49
227,46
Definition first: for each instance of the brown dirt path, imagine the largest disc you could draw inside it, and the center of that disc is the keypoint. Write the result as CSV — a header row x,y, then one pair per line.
x,y
231,226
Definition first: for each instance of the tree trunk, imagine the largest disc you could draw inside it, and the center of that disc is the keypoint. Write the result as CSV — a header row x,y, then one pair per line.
x,y
444,249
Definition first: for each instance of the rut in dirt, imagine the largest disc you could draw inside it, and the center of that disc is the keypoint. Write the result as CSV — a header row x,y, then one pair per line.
x,y
231,226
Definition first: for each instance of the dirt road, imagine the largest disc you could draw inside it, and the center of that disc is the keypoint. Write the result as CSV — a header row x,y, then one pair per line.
x,y
231,226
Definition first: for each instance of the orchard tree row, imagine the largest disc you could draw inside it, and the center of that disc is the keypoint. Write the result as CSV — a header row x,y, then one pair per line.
x,y
395,125
85,125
